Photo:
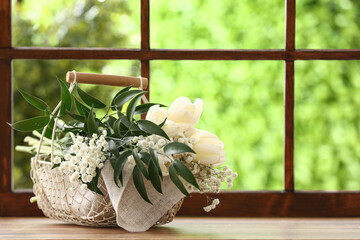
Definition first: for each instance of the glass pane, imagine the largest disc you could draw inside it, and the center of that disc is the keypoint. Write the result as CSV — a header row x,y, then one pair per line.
x,y
217,24
327,130
39,78
327,24
80,23
243,105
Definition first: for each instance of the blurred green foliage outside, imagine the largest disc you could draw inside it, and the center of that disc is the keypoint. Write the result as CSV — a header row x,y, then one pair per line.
x,y
79,23
245,24
327,24
243,100
243,106
327,125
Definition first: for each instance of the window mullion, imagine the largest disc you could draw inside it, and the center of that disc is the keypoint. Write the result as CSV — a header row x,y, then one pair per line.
x,y
5,93
5,20
5,117
145,41
289,127
289,97
145,25
290,25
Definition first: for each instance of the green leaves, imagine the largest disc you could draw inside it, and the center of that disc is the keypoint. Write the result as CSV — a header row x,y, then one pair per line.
x,y
110,121
66,100
145,157
140,164
120,92
144,108
116,127
139,184
122,126
94,182
131,108
31,124
36,102
120,163
154,157
177,167
185,173
174,177
80,107
152,128
114,149
177,147
88,99
91,123
124,97
76,117
39,122
154,176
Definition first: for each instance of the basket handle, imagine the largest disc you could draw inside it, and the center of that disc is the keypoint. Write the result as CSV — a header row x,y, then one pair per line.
x,y
105,79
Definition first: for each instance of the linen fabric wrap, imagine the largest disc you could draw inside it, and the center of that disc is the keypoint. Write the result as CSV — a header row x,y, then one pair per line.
x,y
133,213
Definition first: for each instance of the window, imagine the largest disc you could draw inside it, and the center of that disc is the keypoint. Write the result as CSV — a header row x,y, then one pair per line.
x,y
284,198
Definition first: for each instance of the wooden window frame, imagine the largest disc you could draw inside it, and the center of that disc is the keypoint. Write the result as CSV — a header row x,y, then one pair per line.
x,y
286,203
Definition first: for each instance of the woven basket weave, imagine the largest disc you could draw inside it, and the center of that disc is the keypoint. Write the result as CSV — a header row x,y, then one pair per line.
x,y
59,199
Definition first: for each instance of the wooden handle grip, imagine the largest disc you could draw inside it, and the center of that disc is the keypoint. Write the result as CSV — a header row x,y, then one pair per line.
x,y
104,79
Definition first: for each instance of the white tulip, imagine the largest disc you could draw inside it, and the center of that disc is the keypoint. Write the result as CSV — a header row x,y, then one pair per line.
x,y
209,149
183,111
173,129
156,114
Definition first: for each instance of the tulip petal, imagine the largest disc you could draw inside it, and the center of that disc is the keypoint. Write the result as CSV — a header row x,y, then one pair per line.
x,y
156,114
183,111
222,159
206,149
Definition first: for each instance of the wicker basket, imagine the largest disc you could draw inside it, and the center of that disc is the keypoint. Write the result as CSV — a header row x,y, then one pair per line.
x,y
57,199
60,199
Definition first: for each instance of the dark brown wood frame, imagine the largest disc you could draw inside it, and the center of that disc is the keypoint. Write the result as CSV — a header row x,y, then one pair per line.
x,y
286,203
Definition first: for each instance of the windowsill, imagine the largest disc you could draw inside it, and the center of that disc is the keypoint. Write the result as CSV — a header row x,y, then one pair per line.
x,y
195,228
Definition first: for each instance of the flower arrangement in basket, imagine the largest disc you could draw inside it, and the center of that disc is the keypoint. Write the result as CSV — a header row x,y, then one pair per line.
x,y
118,169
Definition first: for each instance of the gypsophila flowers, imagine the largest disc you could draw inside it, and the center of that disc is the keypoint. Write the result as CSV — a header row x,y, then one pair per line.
x,y
157,143
57,160
212,206
85,157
